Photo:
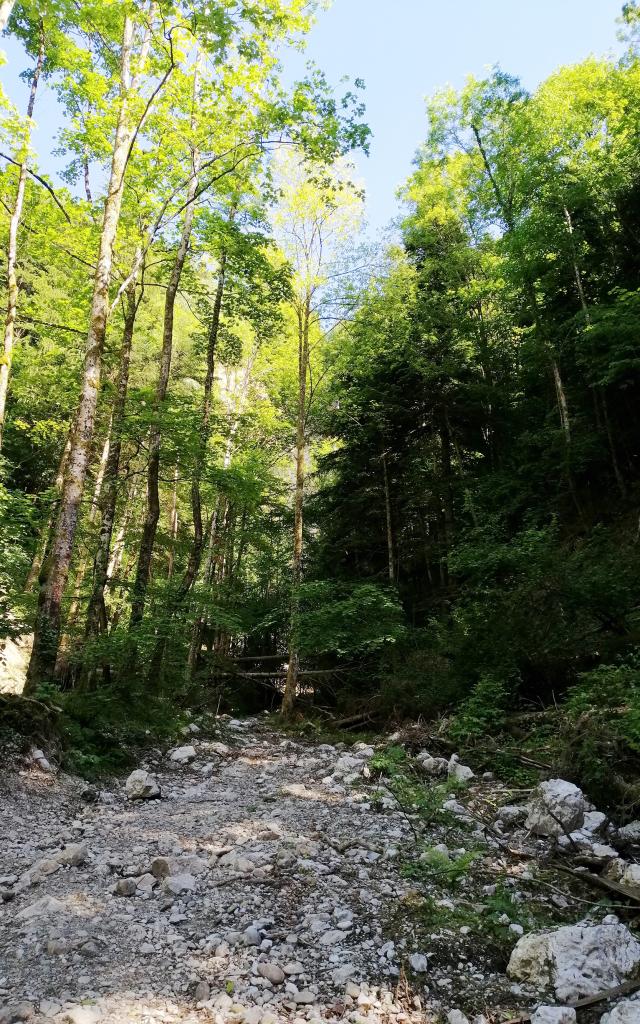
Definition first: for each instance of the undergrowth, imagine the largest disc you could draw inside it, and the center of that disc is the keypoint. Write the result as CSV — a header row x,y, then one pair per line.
x,y
92,734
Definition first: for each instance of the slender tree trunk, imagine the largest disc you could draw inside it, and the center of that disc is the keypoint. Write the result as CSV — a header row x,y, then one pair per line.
x,y
199,623
43,544
96,612
447,497
173,524
87,183
205,423
62,660
389,522
56,572
293,669
242,543
150,527
195,644
12,244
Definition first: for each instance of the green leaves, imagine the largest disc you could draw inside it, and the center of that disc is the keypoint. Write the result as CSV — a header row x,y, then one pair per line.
x,y
347,620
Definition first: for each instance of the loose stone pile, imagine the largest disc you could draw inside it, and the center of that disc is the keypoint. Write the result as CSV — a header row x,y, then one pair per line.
x,y
261,880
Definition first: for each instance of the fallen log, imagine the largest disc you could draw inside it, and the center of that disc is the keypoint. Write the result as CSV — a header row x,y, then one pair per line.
x,y
599,881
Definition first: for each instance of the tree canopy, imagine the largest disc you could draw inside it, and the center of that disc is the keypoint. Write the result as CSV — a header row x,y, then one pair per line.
x,y
234,436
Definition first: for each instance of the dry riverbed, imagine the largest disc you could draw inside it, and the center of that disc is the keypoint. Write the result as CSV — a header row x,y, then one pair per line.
x,y
283,880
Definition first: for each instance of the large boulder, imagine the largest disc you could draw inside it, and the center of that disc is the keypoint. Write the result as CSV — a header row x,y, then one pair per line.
x,y
73,855
576,960
629,835
555,808
626,1012
142,786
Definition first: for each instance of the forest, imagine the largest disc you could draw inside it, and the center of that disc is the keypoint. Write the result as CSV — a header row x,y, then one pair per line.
x,y
251,459
319,543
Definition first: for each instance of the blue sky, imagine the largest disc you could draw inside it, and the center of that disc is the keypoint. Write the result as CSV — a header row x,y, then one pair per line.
x,y
404,51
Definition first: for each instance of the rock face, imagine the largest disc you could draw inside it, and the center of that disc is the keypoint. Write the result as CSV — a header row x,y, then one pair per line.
x,y
576,960
555,808
142,786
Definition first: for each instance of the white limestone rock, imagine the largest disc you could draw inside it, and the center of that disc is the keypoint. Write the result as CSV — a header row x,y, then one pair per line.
x,y
142,786
554,1015
631,878
176,885
625,1012
576,960
419,963
595,822
630,834
512,814
272,973
72,855
38,758
555,808
432,765
183,755
340,976
82,1014
458,771
43,910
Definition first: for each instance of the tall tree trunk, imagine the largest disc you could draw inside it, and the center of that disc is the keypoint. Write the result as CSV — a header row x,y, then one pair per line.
x,y
293,669
218,518
205,423
47,627
62,660
447,496
195,555
389,522
45,535
12,244
150,527
96,613
173,524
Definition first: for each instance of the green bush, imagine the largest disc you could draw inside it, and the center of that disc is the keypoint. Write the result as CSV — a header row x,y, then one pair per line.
x,y
610,695
484,712
601,748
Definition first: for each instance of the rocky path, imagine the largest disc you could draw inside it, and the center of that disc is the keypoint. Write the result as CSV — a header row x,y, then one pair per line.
x,y
268,883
